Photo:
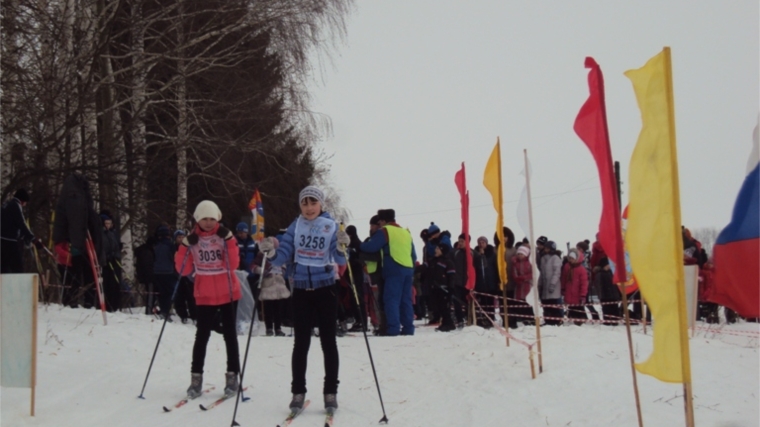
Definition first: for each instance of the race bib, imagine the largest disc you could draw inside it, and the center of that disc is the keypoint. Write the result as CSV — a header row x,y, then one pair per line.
x,y
312,241
208,256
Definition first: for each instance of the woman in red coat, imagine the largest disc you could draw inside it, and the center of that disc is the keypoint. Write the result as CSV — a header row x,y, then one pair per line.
x,y
574,282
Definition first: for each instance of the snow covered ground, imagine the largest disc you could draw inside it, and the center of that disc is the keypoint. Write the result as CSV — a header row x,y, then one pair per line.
x,y
91,375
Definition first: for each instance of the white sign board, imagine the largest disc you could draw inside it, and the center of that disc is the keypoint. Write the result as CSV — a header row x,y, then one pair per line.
x,y
18,331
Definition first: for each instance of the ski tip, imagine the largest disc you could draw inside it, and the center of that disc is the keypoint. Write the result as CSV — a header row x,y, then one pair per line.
x,y
203,408
167,409
245,399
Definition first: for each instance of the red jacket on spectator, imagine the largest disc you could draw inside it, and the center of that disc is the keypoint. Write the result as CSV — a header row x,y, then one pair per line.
x,y
522,274
574,281
62,255
597,253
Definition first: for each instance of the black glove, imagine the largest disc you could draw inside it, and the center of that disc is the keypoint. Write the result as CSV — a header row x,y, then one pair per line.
x,y
192,239
223,232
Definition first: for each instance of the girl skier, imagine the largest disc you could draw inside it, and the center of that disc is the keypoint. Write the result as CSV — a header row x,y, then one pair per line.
x,y
214,256
311,245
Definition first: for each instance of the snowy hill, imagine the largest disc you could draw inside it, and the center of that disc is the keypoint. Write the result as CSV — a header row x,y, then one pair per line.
x,y
90,375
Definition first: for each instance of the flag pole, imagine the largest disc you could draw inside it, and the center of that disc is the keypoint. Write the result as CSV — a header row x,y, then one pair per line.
x,y
630,354
627,316
501,222
682,321
536,319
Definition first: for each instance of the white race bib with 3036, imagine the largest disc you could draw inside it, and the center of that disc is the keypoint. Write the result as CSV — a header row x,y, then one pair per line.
x,y
312,241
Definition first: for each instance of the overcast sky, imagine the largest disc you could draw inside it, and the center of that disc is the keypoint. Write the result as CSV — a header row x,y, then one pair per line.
x,y
420,86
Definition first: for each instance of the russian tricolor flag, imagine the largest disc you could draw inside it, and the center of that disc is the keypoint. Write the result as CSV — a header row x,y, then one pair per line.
x,y
737,250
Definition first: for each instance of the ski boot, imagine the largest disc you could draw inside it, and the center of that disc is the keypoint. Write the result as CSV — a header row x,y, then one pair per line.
x,y
331,402
296,404
231,384
196,382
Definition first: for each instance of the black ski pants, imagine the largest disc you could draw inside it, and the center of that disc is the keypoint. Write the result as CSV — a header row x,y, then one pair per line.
x,y
318,307
207,318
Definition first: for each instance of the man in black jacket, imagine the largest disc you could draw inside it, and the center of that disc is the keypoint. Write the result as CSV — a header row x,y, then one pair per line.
x,y
14,233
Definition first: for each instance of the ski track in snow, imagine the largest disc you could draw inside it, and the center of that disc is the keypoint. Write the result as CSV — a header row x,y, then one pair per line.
x,y
90,375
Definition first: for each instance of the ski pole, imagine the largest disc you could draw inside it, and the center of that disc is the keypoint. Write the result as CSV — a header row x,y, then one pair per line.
x,y
234,315
166,319
97,273
247,346
383,420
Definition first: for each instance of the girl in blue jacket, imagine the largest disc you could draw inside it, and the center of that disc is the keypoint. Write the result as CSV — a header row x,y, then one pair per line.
x,y
311,245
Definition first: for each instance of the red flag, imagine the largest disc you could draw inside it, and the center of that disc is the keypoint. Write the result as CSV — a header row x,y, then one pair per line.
x,y
591,127
464,198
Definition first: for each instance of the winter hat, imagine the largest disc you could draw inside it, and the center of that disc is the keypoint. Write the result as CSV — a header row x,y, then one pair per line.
x,y
542,241
351,231
433,229
163,231
387,215
550,244
374,220
207,209
523,250
314,193
483,238
604,262
242,227
21,195
179,233
105,217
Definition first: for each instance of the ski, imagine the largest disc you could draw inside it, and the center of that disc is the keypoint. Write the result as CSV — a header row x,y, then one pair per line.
x,y
182,402
329,418
217,402
293,415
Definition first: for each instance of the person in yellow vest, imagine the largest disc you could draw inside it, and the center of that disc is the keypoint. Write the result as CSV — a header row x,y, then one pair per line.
x,y
395,243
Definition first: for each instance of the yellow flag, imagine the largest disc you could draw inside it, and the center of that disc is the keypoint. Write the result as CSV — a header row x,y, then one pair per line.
x,y
492,182
654,221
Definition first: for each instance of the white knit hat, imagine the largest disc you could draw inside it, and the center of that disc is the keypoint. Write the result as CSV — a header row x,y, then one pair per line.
x,y
523,250
207,209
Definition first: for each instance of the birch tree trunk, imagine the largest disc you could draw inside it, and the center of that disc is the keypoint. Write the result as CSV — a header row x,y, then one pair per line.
x,y
182,130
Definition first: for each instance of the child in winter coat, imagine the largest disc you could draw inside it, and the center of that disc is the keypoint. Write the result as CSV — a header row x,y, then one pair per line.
x,y
443,274
522,276
549,283
273,294
311,245
575,285
212,252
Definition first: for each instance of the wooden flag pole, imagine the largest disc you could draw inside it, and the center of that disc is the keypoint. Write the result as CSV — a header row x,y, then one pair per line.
x,y
506,314
536,319
630,353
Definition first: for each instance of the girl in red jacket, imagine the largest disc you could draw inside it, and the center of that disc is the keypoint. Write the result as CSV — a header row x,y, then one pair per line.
x,y
522,275
213,255
575,285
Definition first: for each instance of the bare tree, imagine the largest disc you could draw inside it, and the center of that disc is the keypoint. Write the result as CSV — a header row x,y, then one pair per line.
x,y
707,236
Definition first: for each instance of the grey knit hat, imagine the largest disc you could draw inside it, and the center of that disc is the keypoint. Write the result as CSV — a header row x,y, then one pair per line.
x,y
313,192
